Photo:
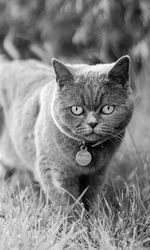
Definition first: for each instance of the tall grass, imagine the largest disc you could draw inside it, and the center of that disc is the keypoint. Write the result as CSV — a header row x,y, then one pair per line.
x,y
26,224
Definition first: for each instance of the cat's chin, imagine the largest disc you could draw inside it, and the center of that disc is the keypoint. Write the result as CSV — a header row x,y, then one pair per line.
x,y
94,138
91,137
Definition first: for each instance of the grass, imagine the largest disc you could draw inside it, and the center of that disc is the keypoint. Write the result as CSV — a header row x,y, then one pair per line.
x,y
28,224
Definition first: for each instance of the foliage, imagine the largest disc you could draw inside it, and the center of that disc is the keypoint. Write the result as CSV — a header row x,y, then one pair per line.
x,y
107,28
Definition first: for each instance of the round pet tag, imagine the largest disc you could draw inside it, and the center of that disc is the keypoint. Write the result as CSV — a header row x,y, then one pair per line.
x,y
83,157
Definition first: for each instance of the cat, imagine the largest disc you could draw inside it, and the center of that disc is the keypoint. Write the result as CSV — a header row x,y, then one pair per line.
x,y
64,123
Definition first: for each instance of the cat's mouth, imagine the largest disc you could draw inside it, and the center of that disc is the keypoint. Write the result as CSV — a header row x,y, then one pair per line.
x,y
89,135
93,137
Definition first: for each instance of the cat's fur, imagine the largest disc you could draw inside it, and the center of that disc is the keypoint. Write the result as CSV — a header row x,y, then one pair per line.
x,y
41,134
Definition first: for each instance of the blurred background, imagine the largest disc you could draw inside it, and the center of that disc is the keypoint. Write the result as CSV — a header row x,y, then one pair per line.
x,y
83,29
91,32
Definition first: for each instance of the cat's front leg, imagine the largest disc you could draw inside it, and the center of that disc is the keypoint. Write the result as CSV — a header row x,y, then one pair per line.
x,y
60,186
96,182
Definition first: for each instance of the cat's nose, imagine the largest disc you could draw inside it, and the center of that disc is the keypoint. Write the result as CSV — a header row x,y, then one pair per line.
x,y
92,120
92,124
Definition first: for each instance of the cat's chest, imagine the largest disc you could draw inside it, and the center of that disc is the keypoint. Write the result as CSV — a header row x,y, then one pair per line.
x,y
68,153
86,159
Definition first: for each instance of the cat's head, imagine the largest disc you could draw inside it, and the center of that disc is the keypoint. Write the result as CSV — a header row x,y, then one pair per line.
x,y
92,103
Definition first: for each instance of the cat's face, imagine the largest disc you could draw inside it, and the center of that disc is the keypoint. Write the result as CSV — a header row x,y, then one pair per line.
x,y
93,103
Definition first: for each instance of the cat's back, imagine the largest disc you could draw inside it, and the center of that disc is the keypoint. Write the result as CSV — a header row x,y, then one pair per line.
x,y
19,79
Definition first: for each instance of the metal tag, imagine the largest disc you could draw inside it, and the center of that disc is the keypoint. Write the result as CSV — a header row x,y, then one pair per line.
x,y
83,157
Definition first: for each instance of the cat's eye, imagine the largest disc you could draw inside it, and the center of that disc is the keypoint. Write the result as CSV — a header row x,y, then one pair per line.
x,y
77,110
108,109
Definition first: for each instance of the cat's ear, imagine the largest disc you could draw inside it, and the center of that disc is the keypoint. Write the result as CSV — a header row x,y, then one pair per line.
x,y
63,75
120,70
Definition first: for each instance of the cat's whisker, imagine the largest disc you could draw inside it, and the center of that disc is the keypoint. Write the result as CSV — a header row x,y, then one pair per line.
x,y
116,137
113,139
114,142
112,134
82,130
112,131
109,132
118,134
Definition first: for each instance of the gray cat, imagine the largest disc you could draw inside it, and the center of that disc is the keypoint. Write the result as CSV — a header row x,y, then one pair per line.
x,y
64,123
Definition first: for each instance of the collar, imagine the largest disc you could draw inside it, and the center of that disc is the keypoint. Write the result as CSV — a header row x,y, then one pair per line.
x,y
92,145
